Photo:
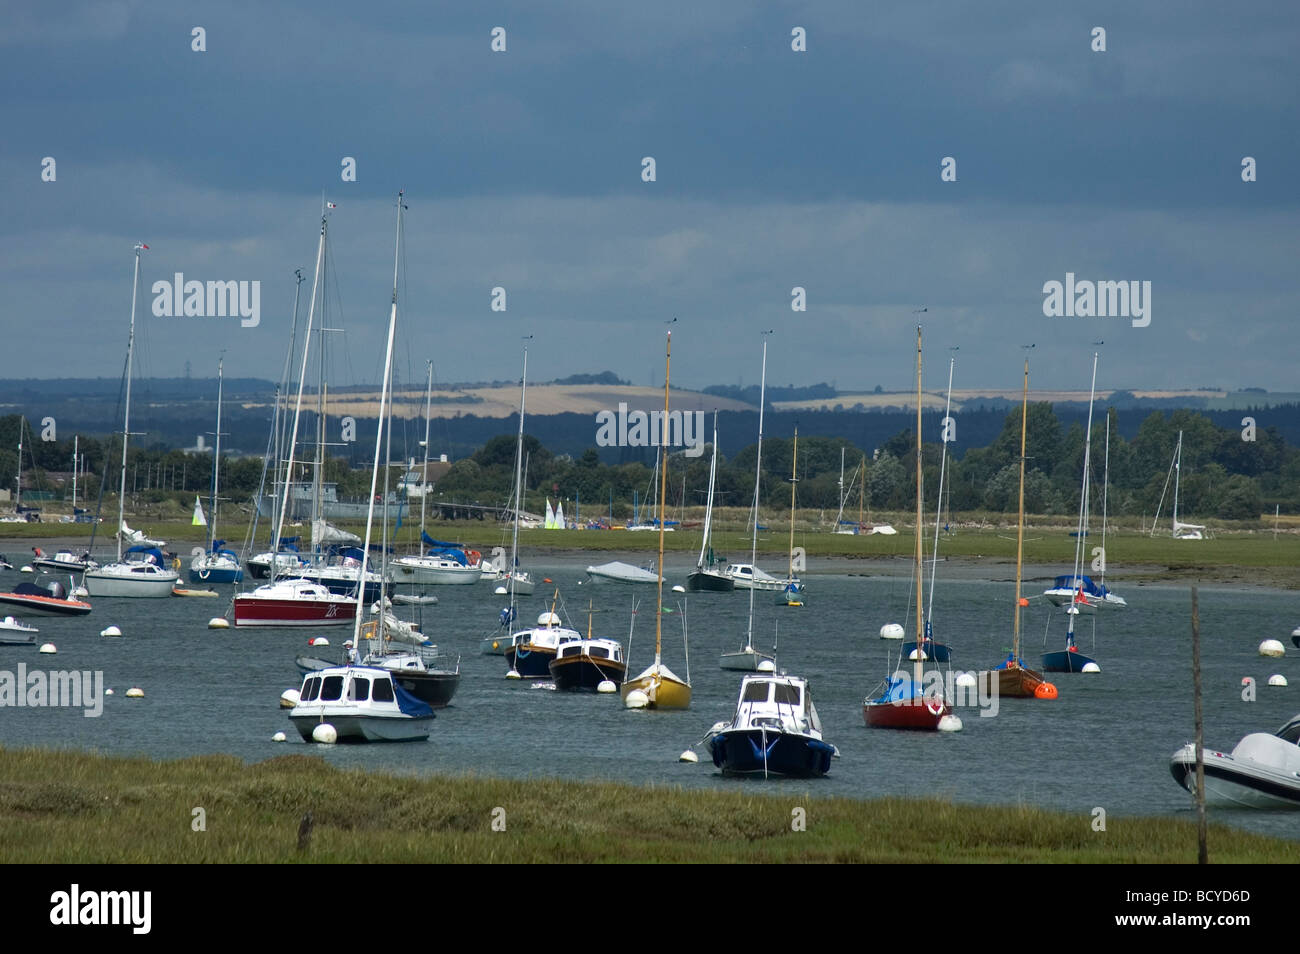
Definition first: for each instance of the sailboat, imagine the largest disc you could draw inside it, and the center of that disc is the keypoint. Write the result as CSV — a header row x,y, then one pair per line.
x,y
1183,531
792,593
1014,679
290,599
144,575
706,577
217,565
905,704
365,703
747,576
937,651
1070,659
658,687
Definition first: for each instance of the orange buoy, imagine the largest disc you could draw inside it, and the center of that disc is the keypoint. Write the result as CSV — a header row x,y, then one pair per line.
x,y
1045,690
1023,601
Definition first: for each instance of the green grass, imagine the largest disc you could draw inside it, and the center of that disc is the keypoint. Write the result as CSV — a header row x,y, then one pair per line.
x,y
69,807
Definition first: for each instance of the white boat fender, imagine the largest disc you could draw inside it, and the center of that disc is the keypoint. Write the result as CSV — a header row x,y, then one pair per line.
x,y
636,699
950,723
289,698
688,756
1272,647
48,649
218,622
606,686
1277,679
279,737
513,674
110,631
1090,667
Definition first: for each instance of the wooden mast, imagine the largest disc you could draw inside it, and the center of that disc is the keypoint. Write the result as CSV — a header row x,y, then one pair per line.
x,y
663,494
917,667
1020,521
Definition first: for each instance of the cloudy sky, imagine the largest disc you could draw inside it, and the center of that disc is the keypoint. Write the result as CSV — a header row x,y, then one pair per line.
x,y
773,169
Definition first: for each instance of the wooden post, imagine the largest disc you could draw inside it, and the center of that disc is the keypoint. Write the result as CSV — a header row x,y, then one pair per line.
x,y
1202,850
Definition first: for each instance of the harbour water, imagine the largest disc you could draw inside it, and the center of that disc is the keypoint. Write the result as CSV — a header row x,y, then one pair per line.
x,y
1104,743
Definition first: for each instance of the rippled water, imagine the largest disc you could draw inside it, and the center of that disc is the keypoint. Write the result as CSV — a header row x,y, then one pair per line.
x,y
1105,742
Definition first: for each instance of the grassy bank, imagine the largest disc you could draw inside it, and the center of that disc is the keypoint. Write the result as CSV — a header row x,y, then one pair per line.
x,y
82,808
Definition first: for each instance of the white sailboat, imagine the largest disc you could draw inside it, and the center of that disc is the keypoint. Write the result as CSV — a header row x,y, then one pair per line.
x,y
1181,531
517,582
216,565
747,576
142,573
707,577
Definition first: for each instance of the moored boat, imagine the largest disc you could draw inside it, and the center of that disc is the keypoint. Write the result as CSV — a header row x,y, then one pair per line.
x,y
295,602
619,572
531,650
363,704
774,731
1262,770
32,599
583,664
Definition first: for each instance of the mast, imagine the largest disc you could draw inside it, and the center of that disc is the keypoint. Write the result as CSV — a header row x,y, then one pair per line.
x,y
519,484
758,471
379,439
938,506
126,418
708,510
18,491
297,410
794,479
663,494
841,492
216,461
1105,490
75,464
917,667
1020,520
862,491
1178,466
424,474
1083,509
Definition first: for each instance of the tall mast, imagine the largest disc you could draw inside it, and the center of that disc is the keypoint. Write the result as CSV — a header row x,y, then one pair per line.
x,y
424,474
126,418
794,479
1178,467
758,471
663,495
1020,521
379,441
297,410
278,418
519,482
75,458
917,667
216,462
18,491
1105,491
708,510
862,491
1083,508
938,506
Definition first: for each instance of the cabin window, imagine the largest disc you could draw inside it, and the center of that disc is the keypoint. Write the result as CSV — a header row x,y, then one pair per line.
x,y
787,695
331,689
600,652
359,689
570,650
310,689
382,691
756,692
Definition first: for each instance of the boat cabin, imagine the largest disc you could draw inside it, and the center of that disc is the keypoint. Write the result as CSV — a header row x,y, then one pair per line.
x,y
351,684
593,648
782,703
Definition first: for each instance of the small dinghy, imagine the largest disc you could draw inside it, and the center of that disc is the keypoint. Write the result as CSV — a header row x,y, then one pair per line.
x,y
191,591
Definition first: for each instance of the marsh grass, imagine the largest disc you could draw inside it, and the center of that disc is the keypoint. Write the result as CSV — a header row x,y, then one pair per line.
x,y
73,807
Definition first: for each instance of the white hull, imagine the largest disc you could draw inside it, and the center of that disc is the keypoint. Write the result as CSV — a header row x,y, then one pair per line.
x,y
434,572
1109,602
746,660
106,582
1237,780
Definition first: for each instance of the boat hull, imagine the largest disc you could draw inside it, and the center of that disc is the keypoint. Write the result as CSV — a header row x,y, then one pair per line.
x,y
434,688
745,660
24,605
1067,660
704,581
1015,683
664,692
352,727
531,662
919,714
768,752
585,673
153,586
428,575
216,575
1230,783
257,612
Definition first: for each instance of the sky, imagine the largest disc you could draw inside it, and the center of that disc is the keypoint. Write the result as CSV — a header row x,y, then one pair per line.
x,y
775,168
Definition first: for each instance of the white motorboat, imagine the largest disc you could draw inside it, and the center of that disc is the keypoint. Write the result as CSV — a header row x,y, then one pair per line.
x,y
14,632
363,704
64,561
775,731
746,576
434,569
140,574
294,602
1262,770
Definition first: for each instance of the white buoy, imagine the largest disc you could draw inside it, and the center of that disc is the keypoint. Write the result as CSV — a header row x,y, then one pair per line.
x,y
48,649
500,591
688,756
289,698
766,665
1090,667
966,680
636,699
606,685
950,723
916,654
326,733
679,588
513,674
279,737
891,631
1277,679
318,641
27,569
1296,631
135,692
108,692
1272,647
110,631
218,622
